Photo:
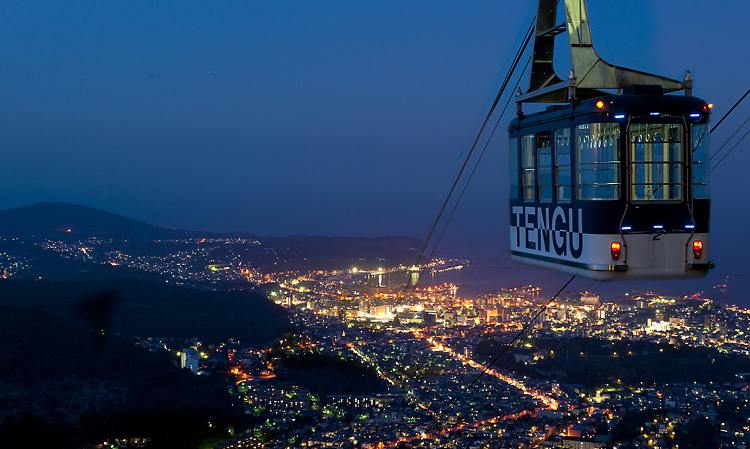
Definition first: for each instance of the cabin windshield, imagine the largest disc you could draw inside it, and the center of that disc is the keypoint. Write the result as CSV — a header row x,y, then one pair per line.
x,y
656,162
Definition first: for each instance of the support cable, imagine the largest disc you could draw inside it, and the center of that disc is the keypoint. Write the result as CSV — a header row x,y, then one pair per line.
x,y
735,146
471,175
728,112
730,138
529,33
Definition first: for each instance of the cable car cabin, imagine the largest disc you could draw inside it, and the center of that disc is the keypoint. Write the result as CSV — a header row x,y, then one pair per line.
x,y
612,188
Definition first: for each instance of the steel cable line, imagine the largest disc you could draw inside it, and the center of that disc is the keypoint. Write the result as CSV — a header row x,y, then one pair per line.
x,y
520,52
471,175
486,368
597,287
529,33
730,111
515,63
727,141
730,150
732,136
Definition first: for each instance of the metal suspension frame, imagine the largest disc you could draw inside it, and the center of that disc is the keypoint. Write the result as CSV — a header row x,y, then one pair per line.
x,y
590,73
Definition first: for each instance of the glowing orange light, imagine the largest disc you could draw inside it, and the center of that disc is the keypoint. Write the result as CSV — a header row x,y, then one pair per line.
x,y
697,249
599,104
710,105
614,249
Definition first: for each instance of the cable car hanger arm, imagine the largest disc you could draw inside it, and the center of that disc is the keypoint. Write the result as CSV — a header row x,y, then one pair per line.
x,y
590,72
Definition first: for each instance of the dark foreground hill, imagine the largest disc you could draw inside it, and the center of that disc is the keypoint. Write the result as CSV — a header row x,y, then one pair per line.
x,y
595,363
71,374
63,386
134,308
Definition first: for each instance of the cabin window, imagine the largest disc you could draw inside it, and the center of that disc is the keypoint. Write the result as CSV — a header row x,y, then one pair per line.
x,y
513,145
598,151
562,164
700,161
656,161
545,185
527,165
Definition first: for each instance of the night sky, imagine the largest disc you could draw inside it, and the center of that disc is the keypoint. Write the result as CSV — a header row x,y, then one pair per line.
x,y
317,117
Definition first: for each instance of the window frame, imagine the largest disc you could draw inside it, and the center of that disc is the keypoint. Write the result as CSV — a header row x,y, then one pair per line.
x,y
558,166
661,167
528,172
514,170
614,162
545,191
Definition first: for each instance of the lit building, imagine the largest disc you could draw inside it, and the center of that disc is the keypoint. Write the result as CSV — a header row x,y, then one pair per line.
x,y
590,300
190,359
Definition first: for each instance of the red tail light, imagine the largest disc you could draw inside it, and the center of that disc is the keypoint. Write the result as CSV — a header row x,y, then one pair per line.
x,y
697,249
614,249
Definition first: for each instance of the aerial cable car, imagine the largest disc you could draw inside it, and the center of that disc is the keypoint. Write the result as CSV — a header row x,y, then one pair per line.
x,y
607,185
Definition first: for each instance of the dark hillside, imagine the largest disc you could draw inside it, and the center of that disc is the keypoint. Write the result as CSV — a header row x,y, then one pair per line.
x,y
135,308
594,362
64,384
329,375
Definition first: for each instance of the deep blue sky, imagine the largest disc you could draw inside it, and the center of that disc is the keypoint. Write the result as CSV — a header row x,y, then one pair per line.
x,y
313,117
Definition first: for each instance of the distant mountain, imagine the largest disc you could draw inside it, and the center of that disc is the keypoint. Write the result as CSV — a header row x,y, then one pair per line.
x,y
64,221
69,223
